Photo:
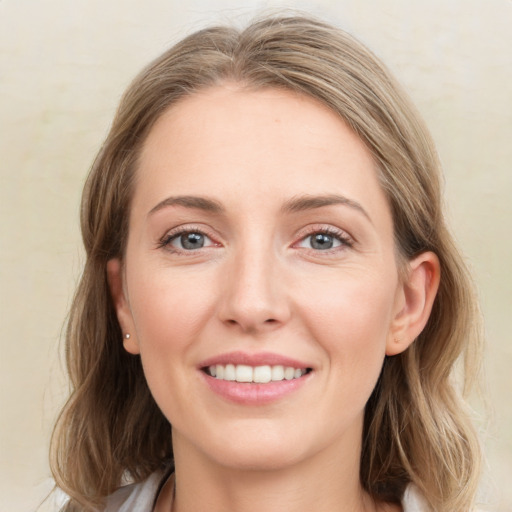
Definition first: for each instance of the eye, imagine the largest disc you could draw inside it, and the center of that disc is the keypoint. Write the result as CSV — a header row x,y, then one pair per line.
x,y
187,241
324,241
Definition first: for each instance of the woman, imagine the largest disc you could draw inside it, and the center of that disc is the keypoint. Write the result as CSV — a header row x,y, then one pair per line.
x,y
271,307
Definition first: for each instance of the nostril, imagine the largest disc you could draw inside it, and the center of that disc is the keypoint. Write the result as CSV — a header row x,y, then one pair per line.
x,y
270,321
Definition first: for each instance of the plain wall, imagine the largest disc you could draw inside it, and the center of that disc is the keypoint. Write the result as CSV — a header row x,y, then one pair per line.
x,y
63,67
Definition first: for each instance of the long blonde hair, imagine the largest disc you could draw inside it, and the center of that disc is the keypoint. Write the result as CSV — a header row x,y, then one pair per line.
x,y
416,427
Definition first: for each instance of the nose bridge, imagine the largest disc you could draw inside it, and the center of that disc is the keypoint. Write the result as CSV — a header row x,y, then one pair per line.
x,y
254,297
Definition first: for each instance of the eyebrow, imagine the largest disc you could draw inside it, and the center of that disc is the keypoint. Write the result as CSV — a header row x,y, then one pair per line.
x,y
295,204
197,202
310,202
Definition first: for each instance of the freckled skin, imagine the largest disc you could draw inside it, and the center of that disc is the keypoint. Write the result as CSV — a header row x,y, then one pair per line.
x,y
257,284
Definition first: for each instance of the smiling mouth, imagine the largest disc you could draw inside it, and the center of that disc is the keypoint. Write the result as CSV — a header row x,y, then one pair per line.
x,y
254,374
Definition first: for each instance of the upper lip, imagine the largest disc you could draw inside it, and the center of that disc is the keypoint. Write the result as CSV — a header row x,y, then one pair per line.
x,y
256,359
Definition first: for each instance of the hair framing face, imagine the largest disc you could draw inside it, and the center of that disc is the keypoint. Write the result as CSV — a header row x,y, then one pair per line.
x,y
414,420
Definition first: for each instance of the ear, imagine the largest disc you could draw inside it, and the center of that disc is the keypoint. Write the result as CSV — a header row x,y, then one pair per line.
x,y
124,315
414,302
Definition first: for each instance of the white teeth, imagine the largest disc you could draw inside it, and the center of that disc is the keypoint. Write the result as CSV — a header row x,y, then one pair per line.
x,y
289,373
277,372
229,372
262,374
244,373
258,374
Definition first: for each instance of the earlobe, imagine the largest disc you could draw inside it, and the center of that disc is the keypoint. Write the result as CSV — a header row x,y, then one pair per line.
x,y
121,305
417,295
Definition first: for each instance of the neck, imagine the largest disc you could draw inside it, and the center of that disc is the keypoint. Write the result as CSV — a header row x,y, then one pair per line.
x,y
327,482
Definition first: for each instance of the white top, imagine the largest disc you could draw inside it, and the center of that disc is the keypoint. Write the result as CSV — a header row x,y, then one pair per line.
x,y
142,496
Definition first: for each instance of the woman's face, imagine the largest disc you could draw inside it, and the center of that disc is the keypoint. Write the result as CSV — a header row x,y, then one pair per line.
x,y
260,240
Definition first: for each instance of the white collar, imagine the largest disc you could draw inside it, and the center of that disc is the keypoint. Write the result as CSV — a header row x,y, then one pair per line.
x,y
413,501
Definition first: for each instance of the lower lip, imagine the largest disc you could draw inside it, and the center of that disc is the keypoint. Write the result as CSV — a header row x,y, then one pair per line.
x,y
253,393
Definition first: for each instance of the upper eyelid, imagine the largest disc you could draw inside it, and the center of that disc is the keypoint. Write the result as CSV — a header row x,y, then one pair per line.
x,y
322,228
346,240
188,228
175,232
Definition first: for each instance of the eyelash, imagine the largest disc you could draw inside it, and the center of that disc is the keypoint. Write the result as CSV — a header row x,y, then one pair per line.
x,y
168,238
344,239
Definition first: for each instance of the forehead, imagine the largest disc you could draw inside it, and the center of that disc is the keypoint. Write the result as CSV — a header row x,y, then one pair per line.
x,y
234,143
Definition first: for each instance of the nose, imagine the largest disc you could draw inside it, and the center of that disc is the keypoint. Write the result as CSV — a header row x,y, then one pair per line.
x,y
254,297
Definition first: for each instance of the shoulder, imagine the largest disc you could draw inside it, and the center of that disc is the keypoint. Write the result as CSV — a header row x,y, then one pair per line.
x,y
140,496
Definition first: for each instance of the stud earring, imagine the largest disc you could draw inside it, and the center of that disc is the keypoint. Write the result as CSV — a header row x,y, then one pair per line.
x,y
127,336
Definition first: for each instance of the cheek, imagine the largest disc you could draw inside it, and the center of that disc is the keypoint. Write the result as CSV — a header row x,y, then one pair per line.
x,y
169,311
169,314
350,318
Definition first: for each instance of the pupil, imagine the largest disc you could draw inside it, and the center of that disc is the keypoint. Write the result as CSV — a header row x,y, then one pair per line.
x,y
192,240
322,241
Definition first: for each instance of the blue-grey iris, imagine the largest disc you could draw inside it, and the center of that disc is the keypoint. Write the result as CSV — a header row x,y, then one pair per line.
x,y
322,241
192,240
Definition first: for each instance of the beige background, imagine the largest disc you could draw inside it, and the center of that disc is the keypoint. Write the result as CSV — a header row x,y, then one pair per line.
x,y
63,66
